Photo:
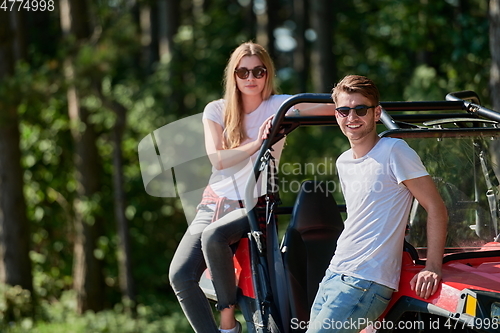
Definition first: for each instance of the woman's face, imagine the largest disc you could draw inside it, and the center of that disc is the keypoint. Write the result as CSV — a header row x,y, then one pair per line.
x,y
250,86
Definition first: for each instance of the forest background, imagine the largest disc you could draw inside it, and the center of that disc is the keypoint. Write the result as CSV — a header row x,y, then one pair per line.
x,y
83,247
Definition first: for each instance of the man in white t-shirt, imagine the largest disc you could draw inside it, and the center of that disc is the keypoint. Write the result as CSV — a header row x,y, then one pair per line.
x,y
379,178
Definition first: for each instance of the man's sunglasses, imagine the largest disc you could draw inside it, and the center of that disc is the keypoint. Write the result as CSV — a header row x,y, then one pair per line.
x,y
258,72
360,110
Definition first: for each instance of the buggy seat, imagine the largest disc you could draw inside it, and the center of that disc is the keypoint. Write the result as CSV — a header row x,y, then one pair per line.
x,y
309,244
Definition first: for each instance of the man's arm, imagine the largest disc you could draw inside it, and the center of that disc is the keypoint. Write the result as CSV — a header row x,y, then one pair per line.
x,y
426,282
313,109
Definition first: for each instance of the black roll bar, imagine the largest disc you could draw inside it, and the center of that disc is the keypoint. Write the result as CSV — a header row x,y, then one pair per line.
x,y
387,120
463,96
266,145
473,107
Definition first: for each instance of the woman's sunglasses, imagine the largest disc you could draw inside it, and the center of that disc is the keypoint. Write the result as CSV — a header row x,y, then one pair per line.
x,y
360,110
258,72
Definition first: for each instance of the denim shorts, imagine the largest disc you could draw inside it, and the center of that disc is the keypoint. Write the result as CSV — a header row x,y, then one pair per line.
x,y
347,304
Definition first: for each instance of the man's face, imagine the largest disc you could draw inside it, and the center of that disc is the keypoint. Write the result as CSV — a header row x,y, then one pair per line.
x,y
355,127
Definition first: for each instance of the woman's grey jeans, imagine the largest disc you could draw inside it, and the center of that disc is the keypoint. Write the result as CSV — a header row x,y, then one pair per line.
x,y
207,244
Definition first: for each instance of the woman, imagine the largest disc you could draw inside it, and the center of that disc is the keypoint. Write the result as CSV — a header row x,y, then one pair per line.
x,y
234,130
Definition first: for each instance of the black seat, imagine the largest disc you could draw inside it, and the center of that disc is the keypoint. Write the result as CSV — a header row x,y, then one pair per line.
x,y
309,244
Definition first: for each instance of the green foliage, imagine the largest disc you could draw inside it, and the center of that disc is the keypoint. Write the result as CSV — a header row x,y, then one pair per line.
x,y
393,42
60,317
16,304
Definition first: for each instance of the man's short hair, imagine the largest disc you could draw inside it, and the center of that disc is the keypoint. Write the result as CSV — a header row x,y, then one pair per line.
x,y
357,84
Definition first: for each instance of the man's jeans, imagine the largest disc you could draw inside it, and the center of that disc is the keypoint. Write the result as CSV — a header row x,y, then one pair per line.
x,y
347,304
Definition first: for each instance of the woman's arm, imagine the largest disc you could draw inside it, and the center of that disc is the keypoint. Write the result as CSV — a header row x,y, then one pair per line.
x,y
225,158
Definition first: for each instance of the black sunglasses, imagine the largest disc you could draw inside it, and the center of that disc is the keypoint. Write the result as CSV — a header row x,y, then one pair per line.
x,y
360,110
258,72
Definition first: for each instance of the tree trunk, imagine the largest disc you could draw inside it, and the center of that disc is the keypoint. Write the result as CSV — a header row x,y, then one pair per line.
x,y
301,61
495,71
167,26
168,14
15,265
323,60
495,53
124,252
126,280
273,7
87,269
18,25
266,22
250,20
148,55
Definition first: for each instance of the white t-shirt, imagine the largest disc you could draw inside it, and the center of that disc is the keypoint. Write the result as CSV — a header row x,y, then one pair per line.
x,y
231,182
378,205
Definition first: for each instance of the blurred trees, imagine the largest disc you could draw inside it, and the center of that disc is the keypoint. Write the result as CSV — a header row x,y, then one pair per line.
x,y
98,76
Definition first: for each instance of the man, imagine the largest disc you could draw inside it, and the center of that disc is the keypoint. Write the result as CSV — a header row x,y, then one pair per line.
x,y
379,178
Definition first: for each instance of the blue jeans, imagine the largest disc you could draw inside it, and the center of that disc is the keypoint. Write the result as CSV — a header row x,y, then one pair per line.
x,y
347,304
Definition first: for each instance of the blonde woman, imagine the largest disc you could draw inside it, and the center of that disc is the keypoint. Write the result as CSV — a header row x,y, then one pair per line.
x,y
235,128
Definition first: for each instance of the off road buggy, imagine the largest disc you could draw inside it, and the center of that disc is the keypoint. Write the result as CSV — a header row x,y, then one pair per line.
x,y
278,272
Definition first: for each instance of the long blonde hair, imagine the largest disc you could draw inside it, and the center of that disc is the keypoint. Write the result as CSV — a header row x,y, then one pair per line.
x,y
234,132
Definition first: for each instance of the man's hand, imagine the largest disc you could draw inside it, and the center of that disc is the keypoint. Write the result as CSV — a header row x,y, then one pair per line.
x,y
426,282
